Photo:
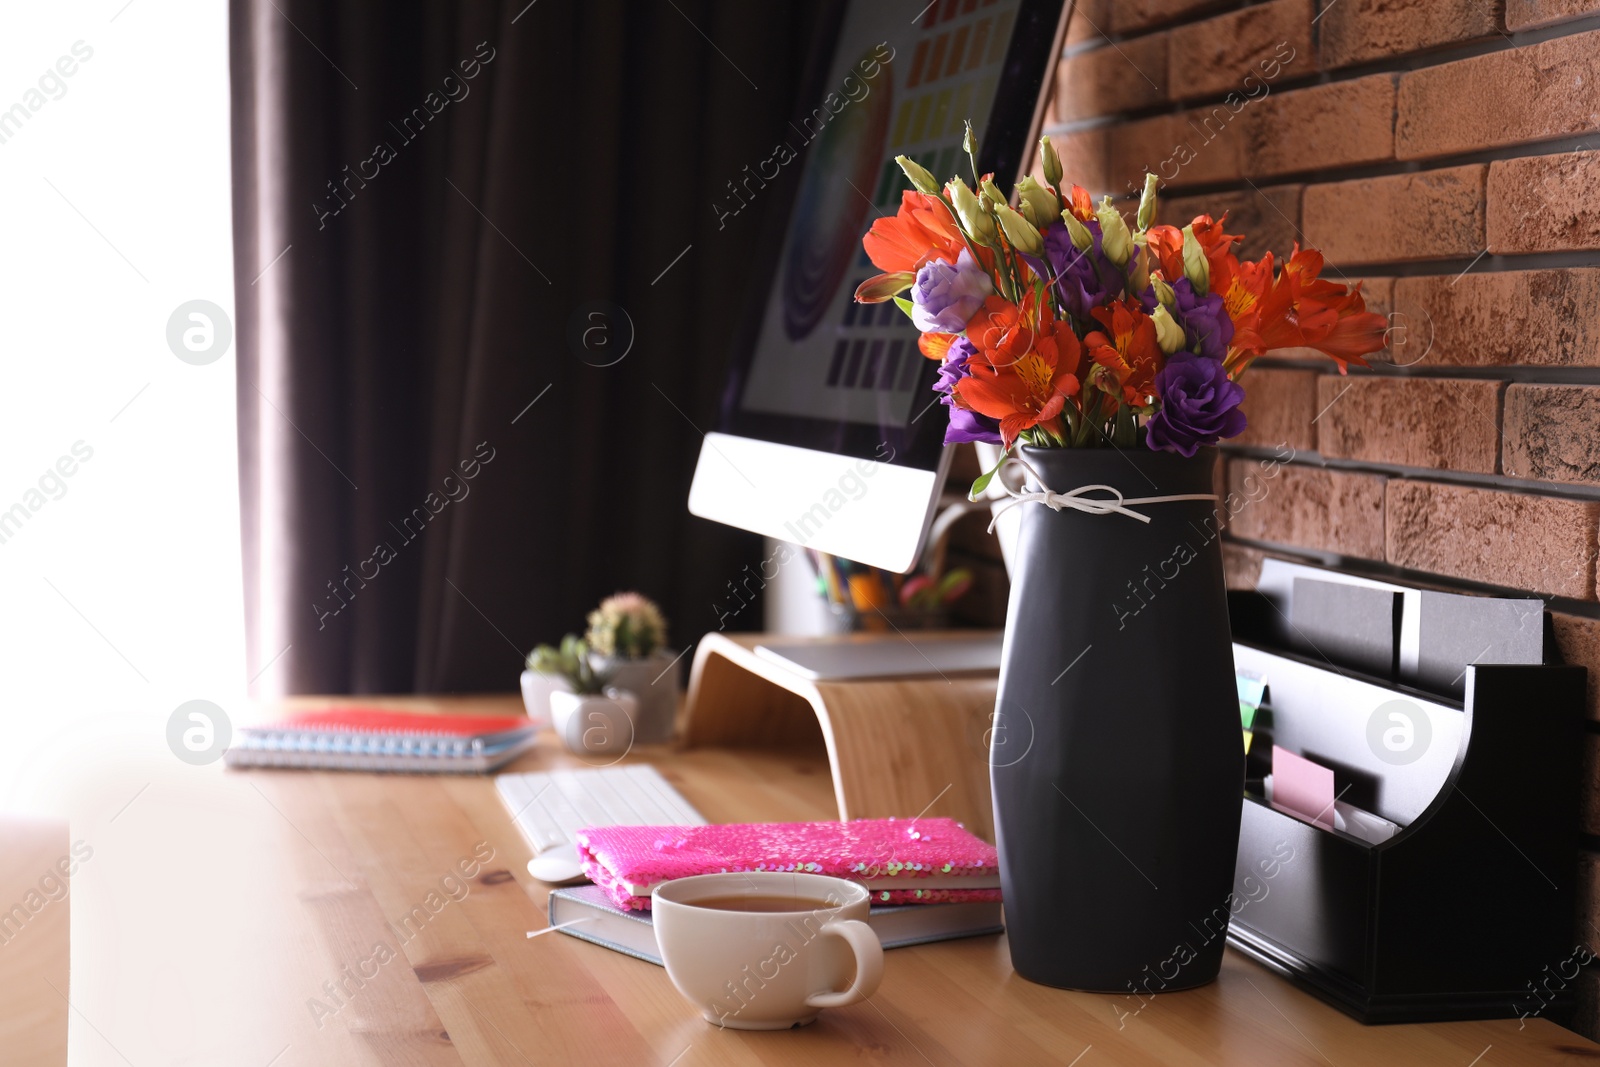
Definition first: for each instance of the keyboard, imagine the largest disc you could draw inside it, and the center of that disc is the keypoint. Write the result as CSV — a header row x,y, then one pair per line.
x,y
550,807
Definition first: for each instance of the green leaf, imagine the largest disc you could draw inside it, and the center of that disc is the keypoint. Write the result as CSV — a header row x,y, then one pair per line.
x,y
904,305
987,476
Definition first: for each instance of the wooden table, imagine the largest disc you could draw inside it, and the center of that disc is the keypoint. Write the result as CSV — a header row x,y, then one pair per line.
x,y
221,912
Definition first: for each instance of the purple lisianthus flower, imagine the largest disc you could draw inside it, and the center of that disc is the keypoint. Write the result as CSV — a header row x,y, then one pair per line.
x,y
945,296
964,425
1207,329
1199,405
1084,279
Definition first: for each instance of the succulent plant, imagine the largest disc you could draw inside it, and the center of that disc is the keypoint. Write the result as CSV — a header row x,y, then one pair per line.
x,y
570,661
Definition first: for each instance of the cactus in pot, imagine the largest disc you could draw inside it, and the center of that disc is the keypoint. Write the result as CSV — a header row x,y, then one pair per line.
x,y
627,638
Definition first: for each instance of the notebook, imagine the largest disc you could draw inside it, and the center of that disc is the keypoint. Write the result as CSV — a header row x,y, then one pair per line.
x,y
586,912
901,861
374,739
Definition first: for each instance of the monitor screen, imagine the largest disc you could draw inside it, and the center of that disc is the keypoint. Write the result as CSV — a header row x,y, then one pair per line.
x,y
830,435
823,371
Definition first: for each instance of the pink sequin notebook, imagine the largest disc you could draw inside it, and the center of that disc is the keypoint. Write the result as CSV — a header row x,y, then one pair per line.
x,y
902,861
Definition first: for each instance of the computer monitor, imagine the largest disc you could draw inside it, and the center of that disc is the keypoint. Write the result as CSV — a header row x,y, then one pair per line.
x,y
830,435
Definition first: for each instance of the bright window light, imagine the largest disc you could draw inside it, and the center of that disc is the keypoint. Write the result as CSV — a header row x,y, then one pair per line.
x,y
119,516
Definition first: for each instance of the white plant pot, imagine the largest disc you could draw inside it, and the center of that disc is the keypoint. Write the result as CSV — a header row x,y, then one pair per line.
x,y
536,690
595,724
653,680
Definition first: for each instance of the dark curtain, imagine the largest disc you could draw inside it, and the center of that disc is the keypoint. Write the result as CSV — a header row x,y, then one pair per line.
x,y
448,218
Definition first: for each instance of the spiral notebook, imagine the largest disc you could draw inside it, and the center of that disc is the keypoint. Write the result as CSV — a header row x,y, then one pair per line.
x,y
374,739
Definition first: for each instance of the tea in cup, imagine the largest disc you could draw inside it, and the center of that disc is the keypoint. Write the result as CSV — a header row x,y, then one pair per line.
x,y
767,950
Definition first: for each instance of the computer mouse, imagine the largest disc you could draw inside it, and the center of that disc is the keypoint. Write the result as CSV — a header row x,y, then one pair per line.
x,y
558,865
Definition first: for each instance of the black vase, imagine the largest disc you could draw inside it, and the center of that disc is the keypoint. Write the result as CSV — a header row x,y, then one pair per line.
x,y
1116,759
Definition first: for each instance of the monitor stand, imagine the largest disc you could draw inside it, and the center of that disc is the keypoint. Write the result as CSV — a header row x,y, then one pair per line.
x,y
903,656
903,746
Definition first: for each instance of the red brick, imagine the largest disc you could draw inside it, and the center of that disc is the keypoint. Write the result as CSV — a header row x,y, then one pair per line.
x,y
1378,293
1553,433
1179,149
1118,77
1544,203
1279,405
1578,639
1214,57
1241,565
1485,318
1411,422
1355,31
1522,94
1090,22
1543,544
1269,217
1339,125
1525,14
1311,507
1132,16
1378,296
1203,146
1431,214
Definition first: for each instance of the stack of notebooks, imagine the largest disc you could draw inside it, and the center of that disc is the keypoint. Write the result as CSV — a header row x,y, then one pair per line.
x,y
586,912
372,739
929,879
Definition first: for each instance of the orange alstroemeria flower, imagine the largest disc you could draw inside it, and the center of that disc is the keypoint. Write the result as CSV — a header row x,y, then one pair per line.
x,y
936,345
1247,291
1333,318
1217,245
1059,346
1002,331
1019,387
923,230
1297,309
1354,334
1166,244
1128,350
1079,203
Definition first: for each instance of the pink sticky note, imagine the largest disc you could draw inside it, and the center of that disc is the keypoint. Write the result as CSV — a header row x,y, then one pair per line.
x,y
1302,788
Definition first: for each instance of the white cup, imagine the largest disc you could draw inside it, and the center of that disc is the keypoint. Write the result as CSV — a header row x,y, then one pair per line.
x,y
767,970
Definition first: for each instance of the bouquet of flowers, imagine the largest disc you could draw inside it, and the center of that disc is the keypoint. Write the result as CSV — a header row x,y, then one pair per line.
x,y
1056,324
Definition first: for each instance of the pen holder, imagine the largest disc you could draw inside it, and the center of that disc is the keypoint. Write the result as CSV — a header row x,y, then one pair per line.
x,y
846,619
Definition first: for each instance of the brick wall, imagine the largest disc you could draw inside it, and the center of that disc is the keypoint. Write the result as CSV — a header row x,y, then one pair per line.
x,y
1446,154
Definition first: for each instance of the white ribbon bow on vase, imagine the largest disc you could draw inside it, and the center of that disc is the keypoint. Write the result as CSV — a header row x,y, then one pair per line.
x,y
1078,500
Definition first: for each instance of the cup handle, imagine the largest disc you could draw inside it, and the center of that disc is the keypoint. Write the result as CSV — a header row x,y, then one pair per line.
x,y
869,963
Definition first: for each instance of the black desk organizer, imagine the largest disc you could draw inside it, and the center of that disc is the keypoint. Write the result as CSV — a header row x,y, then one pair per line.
x,y
1457,915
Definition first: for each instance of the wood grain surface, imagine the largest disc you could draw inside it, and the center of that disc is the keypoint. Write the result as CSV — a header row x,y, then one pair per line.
x,y
281,918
